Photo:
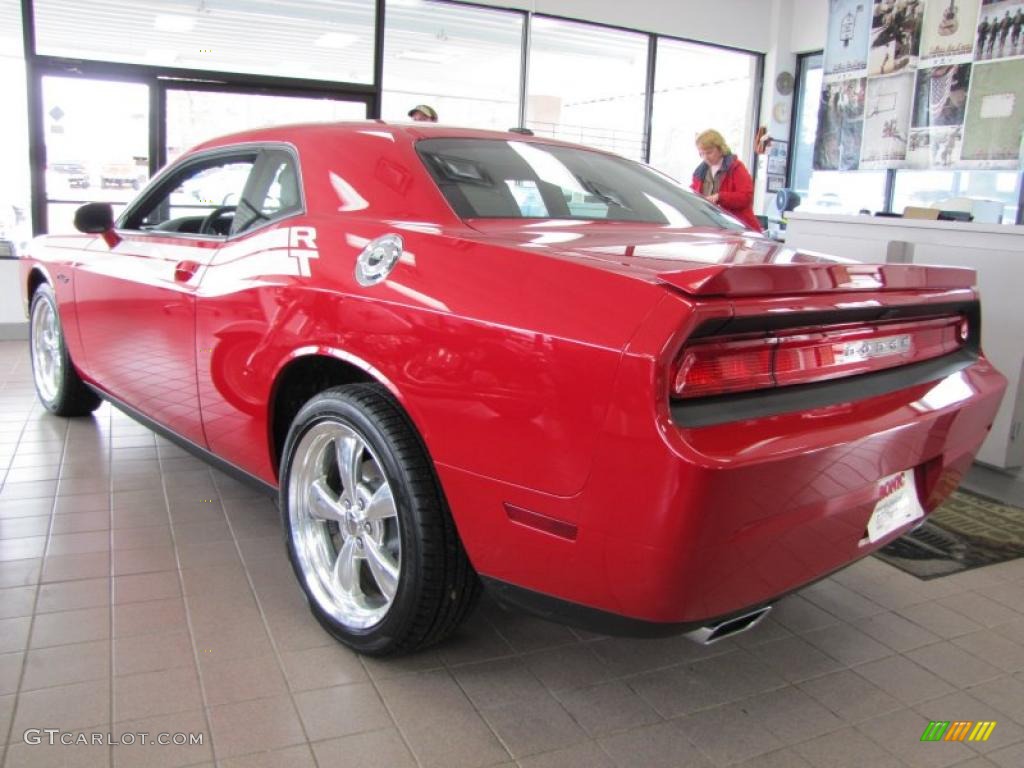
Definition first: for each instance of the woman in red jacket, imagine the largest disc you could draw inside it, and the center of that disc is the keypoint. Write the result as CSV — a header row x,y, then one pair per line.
x,y
723,179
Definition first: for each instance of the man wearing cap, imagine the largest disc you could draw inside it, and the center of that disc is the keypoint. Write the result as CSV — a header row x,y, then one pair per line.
x,y
423,113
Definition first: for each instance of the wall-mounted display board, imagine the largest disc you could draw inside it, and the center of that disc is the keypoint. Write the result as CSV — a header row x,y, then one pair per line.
x,y
922,84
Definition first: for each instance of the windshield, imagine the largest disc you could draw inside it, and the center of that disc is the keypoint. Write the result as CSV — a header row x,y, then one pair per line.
x,y
509,179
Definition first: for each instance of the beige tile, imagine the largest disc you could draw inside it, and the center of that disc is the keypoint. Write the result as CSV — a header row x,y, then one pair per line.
x,y
141,587
10,672
66,706
24,527
290,757
148,617
783,758
16,602
142,537
20,573
65,664
533,725
147,560
797,614
193,533
474,641
207,553
607,708
896,632
795,659
655,746
154,652
235,680
980,609
255,726
585,755
850,696
345,709
954,664
156,693
14,633
322,667
1010,757
526,633
376,749
72,595
729,734
124,519
847,748
25,507
193,724
22,549
940,620
78,543
1005,694
847,644
213,579
791,715
424,696
81,522
94,502
464,741
494,683
568,667
67,627
89,565
6,715
231,641
992,647
904,680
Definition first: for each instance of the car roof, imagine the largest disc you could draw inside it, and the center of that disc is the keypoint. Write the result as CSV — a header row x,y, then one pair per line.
x,y
300,133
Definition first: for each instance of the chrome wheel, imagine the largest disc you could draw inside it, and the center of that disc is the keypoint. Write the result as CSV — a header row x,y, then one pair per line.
x,y
344,525
47,350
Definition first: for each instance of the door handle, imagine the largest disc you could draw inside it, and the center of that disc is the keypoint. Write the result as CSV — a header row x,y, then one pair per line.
x,y
185,271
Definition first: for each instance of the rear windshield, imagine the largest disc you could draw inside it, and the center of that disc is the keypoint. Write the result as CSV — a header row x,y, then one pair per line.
x,y
509,179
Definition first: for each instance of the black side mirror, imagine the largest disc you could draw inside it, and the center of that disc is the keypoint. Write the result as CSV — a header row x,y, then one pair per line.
x,y
94,218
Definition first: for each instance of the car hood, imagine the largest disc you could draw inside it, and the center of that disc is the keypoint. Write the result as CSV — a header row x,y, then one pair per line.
x,y
706,262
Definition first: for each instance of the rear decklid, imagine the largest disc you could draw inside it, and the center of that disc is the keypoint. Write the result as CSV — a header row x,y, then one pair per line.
x,y
709,262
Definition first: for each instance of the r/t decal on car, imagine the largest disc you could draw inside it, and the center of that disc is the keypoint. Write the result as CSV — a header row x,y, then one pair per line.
x,y
302,247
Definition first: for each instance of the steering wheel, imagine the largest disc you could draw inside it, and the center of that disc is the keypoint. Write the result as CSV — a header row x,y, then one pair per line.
x,y
206,228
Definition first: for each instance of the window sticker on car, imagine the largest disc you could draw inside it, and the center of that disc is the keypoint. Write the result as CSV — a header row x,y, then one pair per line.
x,y
302,247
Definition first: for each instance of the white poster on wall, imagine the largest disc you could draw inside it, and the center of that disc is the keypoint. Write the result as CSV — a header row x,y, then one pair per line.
x,y
849,27
948,31
886,121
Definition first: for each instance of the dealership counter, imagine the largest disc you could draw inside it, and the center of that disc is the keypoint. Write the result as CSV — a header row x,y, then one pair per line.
x,y
995,251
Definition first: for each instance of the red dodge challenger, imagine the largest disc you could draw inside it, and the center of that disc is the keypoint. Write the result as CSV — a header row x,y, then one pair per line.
x,y
466,358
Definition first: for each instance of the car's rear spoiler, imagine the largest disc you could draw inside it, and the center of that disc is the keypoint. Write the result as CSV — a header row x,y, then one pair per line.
x,y
787,279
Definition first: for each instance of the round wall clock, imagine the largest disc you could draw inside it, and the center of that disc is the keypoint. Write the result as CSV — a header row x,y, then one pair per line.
x,y
784,83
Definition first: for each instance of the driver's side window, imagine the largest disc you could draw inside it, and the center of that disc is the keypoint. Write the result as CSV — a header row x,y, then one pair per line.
x,y
200,198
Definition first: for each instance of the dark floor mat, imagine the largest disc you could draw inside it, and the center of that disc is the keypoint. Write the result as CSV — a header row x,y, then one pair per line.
x,y
966,532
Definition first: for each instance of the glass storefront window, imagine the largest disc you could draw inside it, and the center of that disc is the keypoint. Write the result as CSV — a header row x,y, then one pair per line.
x,y
195,116
587,85
464,62
698,87
947,189
97,144
15,208
318,39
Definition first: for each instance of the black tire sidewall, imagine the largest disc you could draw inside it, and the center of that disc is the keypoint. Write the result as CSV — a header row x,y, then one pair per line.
x,y
335,405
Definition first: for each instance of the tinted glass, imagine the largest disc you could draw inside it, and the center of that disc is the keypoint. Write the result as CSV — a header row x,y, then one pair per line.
x,y
484,178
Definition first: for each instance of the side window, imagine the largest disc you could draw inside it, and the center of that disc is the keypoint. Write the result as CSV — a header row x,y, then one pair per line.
x,y
274,192
201,198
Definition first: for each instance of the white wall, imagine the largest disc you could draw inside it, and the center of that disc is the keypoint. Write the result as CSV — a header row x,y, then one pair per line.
x,y
736,23
808,25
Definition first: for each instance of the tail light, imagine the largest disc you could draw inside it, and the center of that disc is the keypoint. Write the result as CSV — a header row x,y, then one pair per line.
x,y
802,356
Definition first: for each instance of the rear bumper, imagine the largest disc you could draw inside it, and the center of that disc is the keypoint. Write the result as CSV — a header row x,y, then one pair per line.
x,y
679,526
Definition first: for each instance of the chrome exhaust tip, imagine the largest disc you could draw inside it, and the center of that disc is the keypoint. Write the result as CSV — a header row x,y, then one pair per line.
x,y
712,633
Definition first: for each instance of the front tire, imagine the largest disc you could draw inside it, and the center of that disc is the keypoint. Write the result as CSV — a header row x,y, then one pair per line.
x,y
58,385
368,531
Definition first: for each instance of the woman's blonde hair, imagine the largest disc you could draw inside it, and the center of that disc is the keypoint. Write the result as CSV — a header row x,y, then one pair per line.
x,y
712,138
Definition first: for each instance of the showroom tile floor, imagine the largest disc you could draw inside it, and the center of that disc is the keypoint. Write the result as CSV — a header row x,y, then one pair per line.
x,y
143,592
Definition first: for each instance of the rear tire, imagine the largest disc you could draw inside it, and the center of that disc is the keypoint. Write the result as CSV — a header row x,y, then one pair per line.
x,y
368,531
58,385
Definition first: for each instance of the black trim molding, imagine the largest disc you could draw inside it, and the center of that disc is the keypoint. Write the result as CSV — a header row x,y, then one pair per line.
x,y
199,452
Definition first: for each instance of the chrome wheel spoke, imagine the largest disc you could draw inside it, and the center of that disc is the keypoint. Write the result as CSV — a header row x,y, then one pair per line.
x,y
381,504
346,569
384,570
349,450
322,502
